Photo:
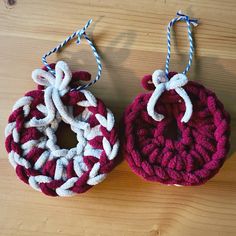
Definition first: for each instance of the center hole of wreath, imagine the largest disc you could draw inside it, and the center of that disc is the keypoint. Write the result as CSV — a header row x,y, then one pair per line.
x,y
66,138
172,131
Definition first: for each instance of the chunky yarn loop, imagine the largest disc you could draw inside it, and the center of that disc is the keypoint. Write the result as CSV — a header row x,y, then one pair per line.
x,y
170,151
162,84
32,144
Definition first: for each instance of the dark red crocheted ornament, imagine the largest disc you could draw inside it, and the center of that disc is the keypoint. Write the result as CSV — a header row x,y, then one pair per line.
x,y
173,152
179,134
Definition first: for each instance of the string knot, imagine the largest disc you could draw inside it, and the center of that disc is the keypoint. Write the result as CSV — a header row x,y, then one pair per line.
x,y
162,84
193,21
59,81
82,32
55,87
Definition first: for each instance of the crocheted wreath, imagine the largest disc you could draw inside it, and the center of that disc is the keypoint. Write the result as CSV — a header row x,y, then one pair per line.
x,y
32,143
171,147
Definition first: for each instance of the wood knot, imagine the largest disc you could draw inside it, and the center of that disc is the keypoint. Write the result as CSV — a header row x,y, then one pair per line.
x,y
10,3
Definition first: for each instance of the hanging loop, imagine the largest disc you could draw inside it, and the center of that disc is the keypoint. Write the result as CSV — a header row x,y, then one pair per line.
x,y
79,35
177,82
180,17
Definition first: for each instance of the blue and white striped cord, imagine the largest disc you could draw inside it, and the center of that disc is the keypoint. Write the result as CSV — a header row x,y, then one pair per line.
x,y
194,22
77,34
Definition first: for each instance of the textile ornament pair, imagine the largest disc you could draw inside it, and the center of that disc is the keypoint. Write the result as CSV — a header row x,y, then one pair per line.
x,y
30,134
178,134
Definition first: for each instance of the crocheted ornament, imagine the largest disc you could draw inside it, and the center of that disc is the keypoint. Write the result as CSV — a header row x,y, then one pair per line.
x,y
30,134
179,134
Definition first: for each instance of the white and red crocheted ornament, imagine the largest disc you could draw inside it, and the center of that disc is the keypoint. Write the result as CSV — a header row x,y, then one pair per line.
x,y
30,134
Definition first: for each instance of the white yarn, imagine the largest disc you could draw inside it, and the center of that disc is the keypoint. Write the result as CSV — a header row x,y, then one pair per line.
x,y
63,190
15,135
21,161
106,121
54,112
12,159
59,170
97,179
41,160
9,128
161,84
22,102
91,99
26,109
91,133
34,181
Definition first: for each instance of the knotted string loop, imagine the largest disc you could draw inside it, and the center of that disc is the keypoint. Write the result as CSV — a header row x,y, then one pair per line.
x,y
161,81
78,34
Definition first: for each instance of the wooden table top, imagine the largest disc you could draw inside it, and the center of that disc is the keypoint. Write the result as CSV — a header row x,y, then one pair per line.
x,y
131,38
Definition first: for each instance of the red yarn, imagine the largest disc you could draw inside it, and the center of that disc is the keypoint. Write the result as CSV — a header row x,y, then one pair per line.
x,y
172,152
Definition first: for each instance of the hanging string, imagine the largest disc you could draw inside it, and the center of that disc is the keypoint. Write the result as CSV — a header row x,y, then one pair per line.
x,y
79,35
180,17
161,81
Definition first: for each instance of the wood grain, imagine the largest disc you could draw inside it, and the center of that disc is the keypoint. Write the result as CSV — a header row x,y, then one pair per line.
x,y
131,39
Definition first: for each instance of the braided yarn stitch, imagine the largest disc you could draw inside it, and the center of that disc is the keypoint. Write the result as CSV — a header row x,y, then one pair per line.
x,y
171,151
32,144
